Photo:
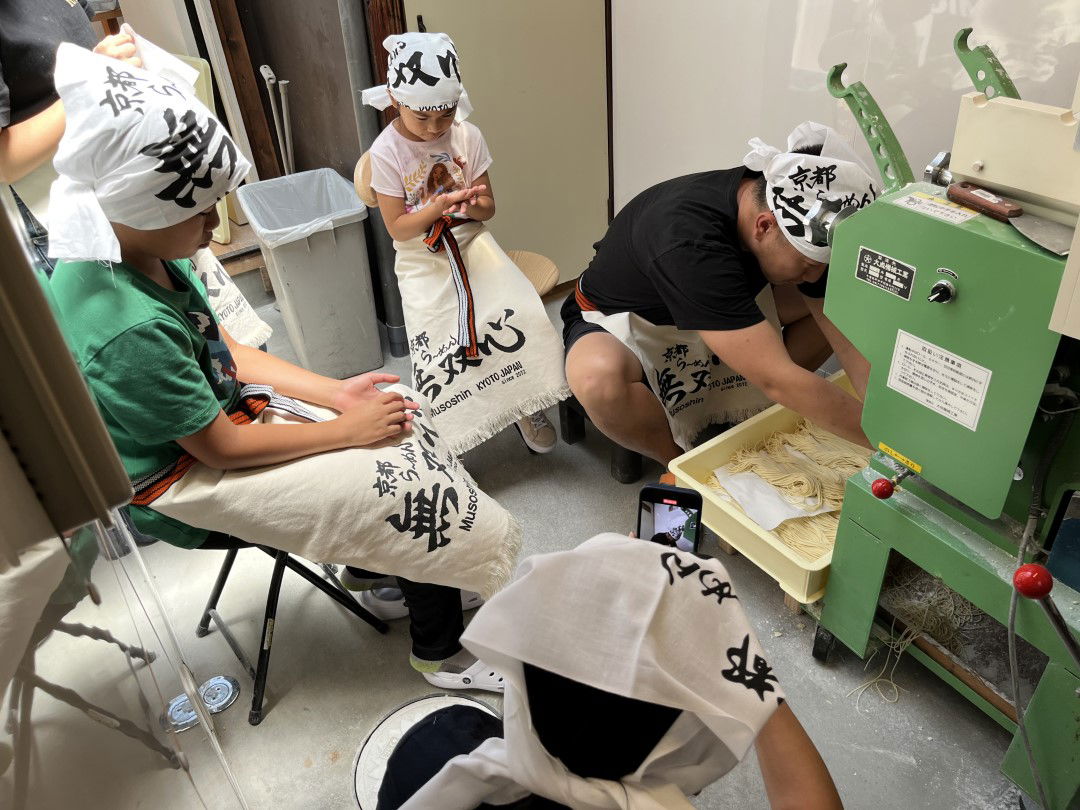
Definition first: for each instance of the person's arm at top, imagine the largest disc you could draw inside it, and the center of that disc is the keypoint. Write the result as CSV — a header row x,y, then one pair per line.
x,y
856,366
369,416
28,144
403,226
757,353
795,776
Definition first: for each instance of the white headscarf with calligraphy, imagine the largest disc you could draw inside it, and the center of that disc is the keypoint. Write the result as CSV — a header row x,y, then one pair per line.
x,y
635,619
422,72
794,181
138,149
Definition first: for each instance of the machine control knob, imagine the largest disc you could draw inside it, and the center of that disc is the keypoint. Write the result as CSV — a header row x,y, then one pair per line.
x,y
942,292
883,489
1033,581
938,171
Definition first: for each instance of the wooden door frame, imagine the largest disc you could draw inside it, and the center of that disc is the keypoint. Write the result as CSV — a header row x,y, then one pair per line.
x,y
384,18
234,42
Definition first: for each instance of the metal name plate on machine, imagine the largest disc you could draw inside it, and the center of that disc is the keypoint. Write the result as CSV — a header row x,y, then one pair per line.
x,y
951,309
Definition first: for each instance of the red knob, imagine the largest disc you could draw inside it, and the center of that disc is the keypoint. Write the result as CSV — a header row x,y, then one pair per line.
x,y
883,488
1033,581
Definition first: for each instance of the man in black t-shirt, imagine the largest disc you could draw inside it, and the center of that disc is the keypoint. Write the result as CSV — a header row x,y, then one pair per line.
x,y
695,252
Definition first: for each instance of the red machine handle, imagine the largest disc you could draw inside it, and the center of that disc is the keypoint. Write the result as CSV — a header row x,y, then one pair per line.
x,y
1033,581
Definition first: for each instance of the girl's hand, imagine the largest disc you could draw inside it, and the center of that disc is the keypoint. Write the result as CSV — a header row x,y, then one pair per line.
x,y
119,46
360,389
457,202
375,420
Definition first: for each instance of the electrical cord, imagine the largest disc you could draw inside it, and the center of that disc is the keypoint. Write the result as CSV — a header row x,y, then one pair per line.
x,y
1036,511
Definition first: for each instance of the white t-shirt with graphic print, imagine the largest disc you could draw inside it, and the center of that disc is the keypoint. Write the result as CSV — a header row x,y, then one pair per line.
x,y
421,170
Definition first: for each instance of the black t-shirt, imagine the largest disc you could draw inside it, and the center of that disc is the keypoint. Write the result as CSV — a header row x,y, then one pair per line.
x,y
30,33
673,256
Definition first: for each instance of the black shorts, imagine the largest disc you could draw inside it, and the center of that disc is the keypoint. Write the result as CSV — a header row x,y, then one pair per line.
x,y
575,326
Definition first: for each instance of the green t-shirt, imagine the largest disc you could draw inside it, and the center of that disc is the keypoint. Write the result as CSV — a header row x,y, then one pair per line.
x,y
155,363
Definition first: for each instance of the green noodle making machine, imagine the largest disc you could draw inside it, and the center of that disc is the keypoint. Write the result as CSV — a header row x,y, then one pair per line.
x,y
962,290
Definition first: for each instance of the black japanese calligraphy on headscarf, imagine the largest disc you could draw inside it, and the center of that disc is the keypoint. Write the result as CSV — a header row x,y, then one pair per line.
x,y
816,164
422,73
186,153
138,149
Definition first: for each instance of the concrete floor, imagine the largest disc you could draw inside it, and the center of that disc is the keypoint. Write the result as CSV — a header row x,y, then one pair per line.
x,y
332,678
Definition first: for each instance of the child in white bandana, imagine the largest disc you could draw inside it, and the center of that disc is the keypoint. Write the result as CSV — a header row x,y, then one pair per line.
x,y
430,163
220,439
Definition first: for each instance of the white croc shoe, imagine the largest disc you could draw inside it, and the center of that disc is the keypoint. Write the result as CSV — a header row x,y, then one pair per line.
x,y
478,676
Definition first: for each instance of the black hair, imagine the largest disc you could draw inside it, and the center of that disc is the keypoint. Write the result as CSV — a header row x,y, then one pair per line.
x,y
759,182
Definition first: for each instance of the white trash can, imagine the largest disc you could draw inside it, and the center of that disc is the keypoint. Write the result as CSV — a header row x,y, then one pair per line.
x,y
311,232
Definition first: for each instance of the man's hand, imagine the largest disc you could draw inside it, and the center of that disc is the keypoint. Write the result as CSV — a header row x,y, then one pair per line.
x,y
856,366
456,203
757,353
357,390
119,46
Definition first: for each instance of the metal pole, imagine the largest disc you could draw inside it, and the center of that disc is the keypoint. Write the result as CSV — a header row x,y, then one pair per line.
x,y
286,124
271,80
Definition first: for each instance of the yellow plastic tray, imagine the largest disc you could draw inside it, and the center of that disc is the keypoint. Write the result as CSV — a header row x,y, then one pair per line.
x,y
803,580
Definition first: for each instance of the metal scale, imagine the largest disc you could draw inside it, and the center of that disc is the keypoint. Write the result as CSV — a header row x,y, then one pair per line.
x,y
971,330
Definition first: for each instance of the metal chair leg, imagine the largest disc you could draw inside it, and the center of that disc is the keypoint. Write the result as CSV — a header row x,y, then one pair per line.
x,y
330,574
346,602
13,707
255,716
23,748
215,594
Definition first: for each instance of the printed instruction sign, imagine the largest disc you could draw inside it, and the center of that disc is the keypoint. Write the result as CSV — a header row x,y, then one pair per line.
x,y
938,379
936,207
885,273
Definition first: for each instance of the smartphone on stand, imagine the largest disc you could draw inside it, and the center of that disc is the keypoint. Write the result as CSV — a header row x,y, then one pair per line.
x,y
670,516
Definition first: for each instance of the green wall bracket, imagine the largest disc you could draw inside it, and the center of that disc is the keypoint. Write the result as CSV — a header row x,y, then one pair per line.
x,y
986,72
889,157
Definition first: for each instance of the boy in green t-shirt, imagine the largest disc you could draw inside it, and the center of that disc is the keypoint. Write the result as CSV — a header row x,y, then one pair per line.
x,y
163,371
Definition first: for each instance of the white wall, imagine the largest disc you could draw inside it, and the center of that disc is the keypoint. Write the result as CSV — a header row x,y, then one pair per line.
x,y
694,80
163,22
535,74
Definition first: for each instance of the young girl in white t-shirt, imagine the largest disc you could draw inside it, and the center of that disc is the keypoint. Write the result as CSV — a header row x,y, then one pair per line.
x,y
429,163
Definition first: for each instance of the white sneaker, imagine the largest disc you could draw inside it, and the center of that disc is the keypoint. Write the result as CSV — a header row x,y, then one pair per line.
x,y
389,603
478,676
471,600
351,582
384,603
537,432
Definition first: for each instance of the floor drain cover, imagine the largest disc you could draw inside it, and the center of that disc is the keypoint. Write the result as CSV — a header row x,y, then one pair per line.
x,y
218,694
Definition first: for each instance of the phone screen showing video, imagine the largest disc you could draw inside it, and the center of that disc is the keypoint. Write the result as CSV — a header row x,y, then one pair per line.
x,y
663,521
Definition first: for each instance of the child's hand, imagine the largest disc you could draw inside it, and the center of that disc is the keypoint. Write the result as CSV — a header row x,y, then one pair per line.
x,y
375,420
361,388
119,46
457,202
